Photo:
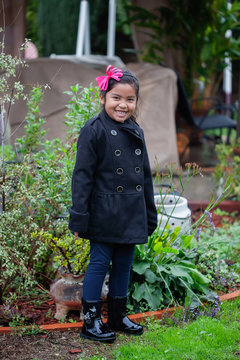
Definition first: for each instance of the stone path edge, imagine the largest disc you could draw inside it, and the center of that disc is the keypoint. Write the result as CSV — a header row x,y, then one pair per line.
x,y
136,317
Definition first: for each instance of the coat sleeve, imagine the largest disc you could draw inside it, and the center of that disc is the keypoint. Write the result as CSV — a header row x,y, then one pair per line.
x,y
149,195
82,180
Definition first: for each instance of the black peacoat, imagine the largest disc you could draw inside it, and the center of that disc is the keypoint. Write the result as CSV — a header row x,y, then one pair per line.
x,y
112,190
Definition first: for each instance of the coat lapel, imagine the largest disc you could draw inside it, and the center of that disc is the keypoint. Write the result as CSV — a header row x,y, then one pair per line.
x,y
132,130
128,126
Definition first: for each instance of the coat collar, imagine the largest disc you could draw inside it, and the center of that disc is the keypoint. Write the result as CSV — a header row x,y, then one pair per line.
x,y
129,125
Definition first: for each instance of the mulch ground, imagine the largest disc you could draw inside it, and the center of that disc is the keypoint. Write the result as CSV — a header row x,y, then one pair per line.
x,y
42,314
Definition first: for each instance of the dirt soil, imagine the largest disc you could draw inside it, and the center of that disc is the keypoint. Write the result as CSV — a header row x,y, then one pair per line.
x,y
55,345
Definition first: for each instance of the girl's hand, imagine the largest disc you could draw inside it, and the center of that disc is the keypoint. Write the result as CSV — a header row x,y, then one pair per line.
x,y
75,233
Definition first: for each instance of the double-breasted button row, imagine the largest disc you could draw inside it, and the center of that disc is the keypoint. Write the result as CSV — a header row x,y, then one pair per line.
x,y
118,152
119,171
120,188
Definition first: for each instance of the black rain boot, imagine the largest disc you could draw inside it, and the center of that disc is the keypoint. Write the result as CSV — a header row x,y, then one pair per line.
x,y
93,327
117,318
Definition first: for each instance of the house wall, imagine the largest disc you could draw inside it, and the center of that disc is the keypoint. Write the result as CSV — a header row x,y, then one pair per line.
x,y
12,20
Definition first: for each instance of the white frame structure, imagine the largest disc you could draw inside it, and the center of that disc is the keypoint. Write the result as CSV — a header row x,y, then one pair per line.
x,y
83,37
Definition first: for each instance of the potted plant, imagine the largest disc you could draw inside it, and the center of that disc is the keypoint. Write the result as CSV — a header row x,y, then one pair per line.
x,y
70,259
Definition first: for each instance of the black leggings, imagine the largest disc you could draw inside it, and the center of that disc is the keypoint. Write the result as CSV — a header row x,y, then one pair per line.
x,y
101,254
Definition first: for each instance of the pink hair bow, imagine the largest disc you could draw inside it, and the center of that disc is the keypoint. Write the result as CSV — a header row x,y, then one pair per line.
x,y
111,72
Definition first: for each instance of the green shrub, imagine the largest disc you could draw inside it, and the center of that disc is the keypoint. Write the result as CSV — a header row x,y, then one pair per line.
x,y
37,197
218,256
164,270
228,167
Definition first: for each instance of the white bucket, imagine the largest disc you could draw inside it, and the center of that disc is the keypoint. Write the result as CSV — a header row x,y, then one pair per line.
x,y
174,210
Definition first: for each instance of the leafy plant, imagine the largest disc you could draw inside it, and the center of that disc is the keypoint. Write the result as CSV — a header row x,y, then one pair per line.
x,y
83,105
217,258
10,91
9,153
34,136
164,269
228,167
35,238
69,252
164,272
197,29
57,26
22,260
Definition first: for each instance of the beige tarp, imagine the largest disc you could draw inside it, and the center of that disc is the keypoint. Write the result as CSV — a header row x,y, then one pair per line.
x,y
158,96
158,100
59,75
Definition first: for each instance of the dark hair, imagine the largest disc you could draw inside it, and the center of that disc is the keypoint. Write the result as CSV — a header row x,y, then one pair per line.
x,y
128,78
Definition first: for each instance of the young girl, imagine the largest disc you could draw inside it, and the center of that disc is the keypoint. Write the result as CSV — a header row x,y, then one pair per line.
x,y
113,202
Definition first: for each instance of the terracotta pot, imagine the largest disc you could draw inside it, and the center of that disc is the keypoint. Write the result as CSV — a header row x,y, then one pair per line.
x,y
67,293
236,151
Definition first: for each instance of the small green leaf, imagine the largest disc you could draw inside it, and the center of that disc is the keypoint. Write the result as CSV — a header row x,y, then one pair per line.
x,y
141,267
187,240
138,291
158,247
153,295
177,229
170,250
150,276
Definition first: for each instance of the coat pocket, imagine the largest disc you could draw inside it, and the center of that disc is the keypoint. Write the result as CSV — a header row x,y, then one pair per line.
x,y
120,217
104,214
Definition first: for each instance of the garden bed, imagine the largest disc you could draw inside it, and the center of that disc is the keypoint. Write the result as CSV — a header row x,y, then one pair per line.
x,y
40,311
54,325
226,207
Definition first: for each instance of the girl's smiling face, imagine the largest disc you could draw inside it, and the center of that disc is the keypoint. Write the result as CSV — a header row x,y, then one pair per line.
x,y
120,102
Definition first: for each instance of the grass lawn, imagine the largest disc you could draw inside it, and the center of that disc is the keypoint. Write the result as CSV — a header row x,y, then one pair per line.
x,y
206,338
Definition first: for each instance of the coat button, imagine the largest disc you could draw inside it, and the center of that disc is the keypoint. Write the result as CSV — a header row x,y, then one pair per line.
x,y
113,132
138,152
139,188
120,189
137,132
119,171
117,152
137,169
